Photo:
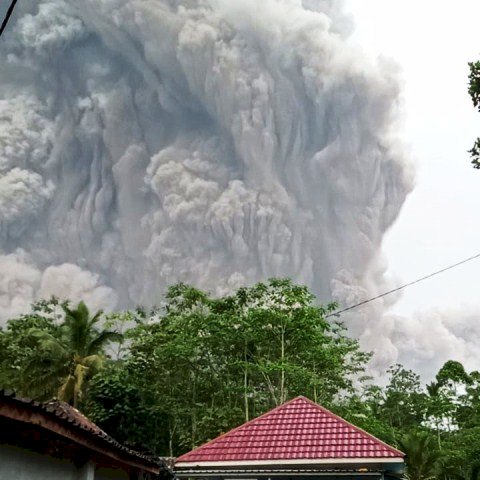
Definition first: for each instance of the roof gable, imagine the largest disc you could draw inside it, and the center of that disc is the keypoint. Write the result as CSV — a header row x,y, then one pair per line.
x,y
297,430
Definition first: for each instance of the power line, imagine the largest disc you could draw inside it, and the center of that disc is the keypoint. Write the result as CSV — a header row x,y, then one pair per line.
x,y
7,16
337,313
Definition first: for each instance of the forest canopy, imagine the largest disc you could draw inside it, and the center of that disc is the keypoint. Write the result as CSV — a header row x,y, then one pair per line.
x,y
169,378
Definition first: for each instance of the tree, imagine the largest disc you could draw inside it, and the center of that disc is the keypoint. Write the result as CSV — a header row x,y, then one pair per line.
x,y
474,92
212,363
461,452
468,411
117,404
55,359
199,365
365,409
389,412
422,455
405,402
445,397
17,346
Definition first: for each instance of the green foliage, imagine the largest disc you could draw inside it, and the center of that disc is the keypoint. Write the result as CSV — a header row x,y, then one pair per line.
x,y
18,346
461,454
452,372
215,362
43,357
365,409
468,405
437,425
116,403
422,455
390,411
474,83
474,92
405,402
183,373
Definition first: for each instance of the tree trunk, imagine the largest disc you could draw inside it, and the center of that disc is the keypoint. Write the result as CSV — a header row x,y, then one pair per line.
x,y
282,378
245,383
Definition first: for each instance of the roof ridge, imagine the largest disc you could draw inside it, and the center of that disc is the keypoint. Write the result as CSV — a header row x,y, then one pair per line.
x,y
228,432
380,448
361,430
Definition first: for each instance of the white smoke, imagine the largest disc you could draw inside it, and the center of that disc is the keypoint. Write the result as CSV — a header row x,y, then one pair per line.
x,y
218,142
21,283
436,335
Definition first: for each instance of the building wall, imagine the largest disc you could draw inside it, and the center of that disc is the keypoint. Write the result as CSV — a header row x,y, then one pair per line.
x,y
108,474
20,464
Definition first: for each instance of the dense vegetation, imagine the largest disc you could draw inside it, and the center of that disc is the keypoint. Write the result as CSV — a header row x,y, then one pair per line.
x,y
169,378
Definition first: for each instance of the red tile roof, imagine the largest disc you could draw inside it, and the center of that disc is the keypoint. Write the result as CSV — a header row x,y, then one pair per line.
x,y
297,430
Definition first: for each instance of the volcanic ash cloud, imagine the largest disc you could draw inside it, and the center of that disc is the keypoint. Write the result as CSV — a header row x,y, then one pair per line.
x,y
218,142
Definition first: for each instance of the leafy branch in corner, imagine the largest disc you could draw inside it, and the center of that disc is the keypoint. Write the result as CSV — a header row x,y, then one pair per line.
x,y
474,92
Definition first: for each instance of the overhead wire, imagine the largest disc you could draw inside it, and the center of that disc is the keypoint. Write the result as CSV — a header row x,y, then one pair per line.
x,y
418,280
7,16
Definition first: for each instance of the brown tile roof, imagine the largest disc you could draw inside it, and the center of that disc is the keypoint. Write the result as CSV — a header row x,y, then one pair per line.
x,y
65,416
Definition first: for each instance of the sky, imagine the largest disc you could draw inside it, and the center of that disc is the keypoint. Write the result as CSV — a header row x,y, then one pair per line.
x,y
439,224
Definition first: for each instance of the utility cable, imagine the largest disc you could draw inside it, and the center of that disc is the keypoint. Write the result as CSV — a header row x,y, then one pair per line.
x,y
337,313
7,16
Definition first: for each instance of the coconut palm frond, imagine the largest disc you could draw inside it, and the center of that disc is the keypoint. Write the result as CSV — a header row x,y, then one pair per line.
x,y
423,457
41,379
101,340
67,357
51,347
96,318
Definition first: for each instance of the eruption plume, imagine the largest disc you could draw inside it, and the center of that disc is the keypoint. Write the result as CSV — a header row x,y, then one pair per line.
x,y
216,142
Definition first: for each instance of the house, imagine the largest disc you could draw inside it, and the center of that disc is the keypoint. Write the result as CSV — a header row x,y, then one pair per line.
x,y
53,440
296,440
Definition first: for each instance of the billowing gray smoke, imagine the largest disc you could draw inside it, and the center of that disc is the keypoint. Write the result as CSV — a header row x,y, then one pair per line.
x,y
218,142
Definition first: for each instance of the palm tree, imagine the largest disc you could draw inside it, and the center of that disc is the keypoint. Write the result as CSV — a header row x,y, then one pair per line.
x,y
422,455
68,357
